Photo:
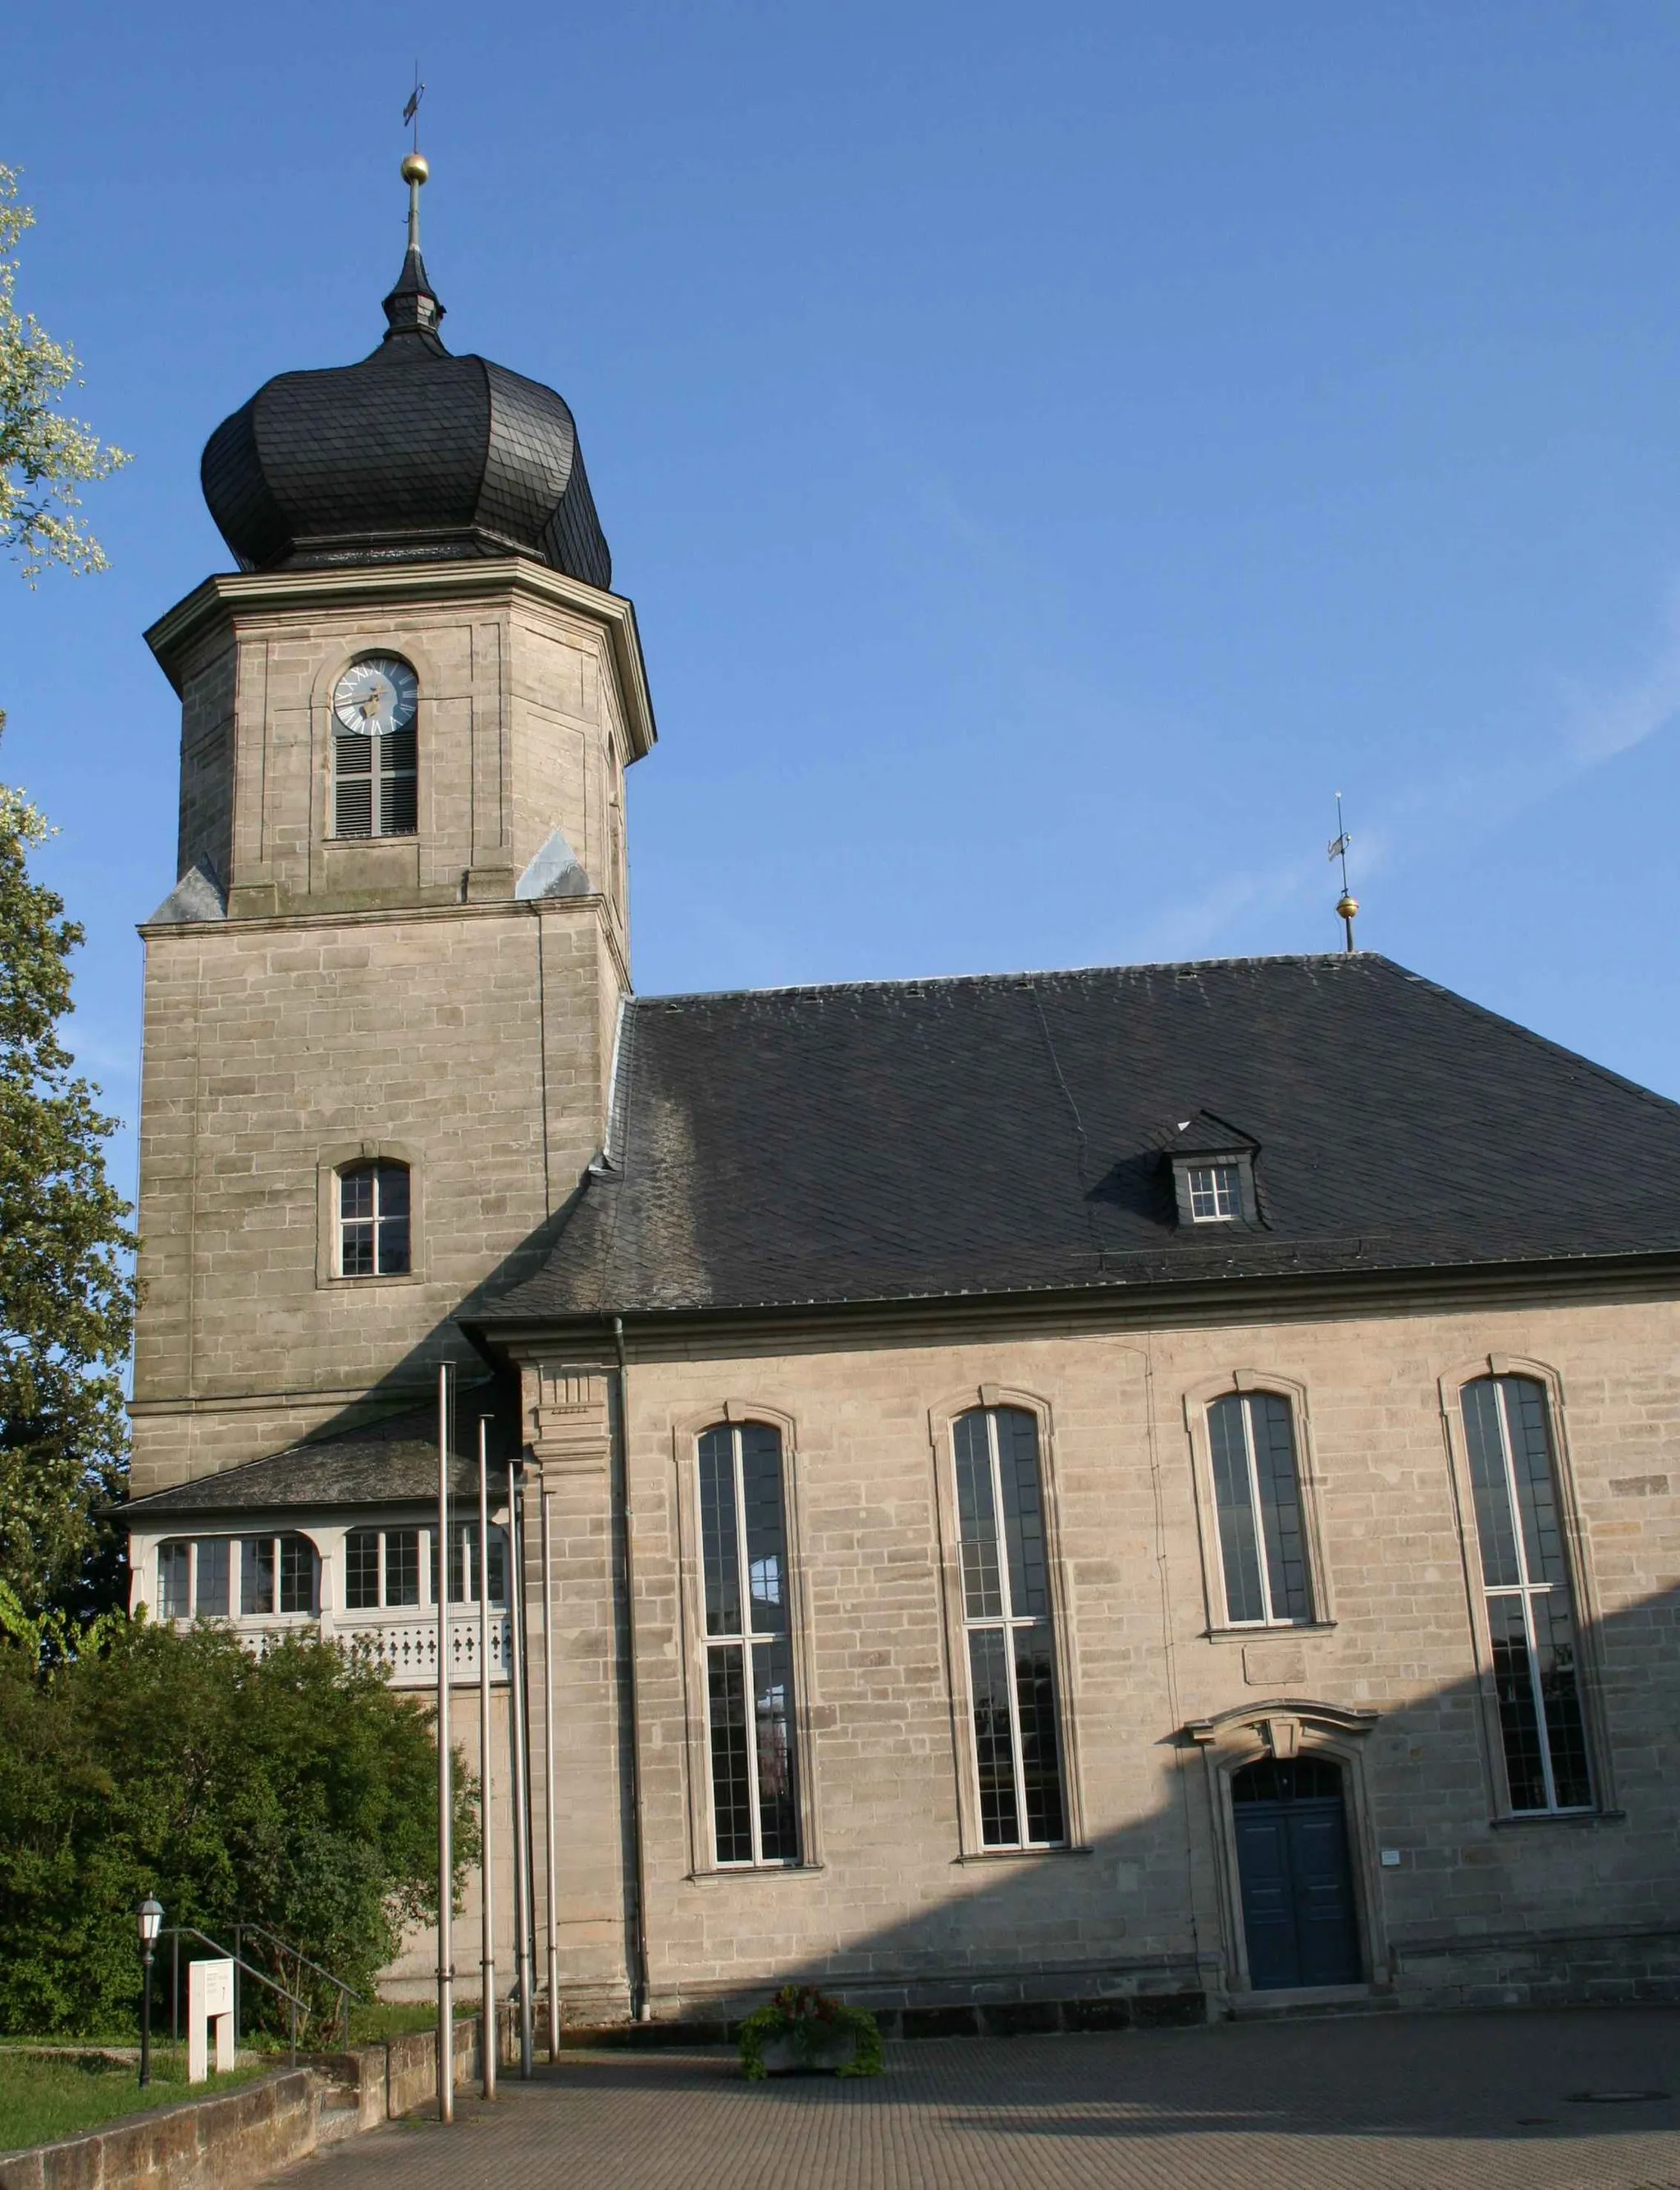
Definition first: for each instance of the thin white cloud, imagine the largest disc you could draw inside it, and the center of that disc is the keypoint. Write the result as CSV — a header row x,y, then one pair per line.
x,y
1596,728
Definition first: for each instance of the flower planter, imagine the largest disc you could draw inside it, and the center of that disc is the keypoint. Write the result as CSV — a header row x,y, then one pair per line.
x,y
802,2034
835,2050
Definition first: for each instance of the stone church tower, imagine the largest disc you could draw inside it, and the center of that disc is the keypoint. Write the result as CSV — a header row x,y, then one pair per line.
x,y
380,1002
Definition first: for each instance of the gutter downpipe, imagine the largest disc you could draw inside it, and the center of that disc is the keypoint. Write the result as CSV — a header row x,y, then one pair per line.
x,y
641,2006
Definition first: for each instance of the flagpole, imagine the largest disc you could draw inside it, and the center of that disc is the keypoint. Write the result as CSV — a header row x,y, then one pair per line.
x,y
487,2033
446,1790
552,1886
516,1745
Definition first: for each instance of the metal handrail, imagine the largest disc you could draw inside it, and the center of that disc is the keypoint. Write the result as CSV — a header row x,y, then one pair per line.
x,y
346,1993
176,1933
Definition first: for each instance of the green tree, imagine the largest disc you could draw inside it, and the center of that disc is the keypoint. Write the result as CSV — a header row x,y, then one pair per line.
x,y
45,454
67,1296
296,1791
66,1302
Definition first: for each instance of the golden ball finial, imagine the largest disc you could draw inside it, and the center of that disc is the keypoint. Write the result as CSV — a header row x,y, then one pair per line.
x,y
1349,907
415,167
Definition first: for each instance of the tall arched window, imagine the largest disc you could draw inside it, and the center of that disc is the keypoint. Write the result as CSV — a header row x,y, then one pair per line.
x,y
374,1208
749,1645
1008,1620
1257,1495
1527,1593
375,749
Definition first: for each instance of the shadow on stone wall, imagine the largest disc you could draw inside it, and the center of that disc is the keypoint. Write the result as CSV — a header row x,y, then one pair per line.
x,y
1144,1924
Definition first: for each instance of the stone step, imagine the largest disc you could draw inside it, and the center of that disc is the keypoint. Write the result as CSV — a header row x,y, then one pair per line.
x,y
334,2123
1273,2005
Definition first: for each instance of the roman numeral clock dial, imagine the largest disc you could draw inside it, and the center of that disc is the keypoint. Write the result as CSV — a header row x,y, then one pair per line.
x,y
376,698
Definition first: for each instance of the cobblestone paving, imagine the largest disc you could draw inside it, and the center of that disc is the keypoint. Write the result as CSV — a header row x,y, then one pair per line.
x,y
1381,2103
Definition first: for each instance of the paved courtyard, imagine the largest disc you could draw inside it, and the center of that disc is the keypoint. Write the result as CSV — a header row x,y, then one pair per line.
x,y
1380,2101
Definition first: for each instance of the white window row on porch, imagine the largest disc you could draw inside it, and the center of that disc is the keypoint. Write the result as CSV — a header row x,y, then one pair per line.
x,y
373,1586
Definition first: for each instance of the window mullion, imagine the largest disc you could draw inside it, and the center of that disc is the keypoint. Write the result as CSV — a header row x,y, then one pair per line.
x,y
1519,1537
1260,1559
1542,1731
1507,1453
744,1624
1006,1597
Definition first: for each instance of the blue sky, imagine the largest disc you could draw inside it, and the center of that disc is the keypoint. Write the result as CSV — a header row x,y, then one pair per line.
x,y
1051,452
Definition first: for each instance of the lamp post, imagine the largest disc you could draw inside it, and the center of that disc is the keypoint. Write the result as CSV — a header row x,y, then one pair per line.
x,y
149,1920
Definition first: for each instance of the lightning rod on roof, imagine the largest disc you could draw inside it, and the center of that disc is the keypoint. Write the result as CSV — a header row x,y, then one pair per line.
x,y
1348,903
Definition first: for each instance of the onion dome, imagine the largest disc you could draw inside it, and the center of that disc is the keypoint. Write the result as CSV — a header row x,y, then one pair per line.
x,y
412,455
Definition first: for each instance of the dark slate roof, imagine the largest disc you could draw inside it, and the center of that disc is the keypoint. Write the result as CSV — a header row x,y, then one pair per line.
x,y
1009,1134
391,1462
412,453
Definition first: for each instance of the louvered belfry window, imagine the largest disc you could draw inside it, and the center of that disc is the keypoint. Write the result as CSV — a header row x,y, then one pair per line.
x,y
374,781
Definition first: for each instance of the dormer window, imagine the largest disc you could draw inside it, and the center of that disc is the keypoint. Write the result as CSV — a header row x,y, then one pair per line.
x,y
1212,1166
1216,1194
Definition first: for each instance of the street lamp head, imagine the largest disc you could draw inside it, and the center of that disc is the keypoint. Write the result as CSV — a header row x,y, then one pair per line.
x,y
150,1918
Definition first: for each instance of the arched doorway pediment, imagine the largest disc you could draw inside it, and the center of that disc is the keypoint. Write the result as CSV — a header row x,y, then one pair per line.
x,y
1279,1724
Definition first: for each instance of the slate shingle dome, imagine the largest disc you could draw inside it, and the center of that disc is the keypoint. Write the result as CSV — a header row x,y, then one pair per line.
x,y
410,455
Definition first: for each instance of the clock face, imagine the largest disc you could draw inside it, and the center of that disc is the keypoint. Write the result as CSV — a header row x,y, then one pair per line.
x,y
376,696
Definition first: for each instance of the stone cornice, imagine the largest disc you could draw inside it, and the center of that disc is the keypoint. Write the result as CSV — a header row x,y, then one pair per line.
x,y
221,600
690,1334
394,915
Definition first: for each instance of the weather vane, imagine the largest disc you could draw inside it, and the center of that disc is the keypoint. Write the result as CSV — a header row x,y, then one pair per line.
x,y
415,169
411,111
1350,904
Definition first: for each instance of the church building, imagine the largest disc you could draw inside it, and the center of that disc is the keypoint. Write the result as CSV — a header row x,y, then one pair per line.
x,y
1040,1501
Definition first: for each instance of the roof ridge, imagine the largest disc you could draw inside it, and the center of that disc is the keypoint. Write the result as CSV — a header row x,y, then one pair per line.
x,y
1540,1041
1027,975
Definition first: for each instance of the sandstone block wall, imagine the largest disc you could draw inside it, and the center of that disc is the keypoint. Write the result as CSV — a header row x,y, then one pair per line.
x,y
893,1907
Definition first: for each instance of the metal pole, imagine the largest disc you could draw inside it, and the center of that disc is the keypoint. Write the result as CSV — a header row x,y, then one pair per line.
x,y
145,2015
487,2046
445,1791
516,1745
175,1991
552,1889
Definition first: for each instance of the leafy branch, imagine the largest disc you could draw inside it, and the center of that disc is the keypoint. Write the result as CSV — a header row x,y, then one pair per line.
x,y
46,455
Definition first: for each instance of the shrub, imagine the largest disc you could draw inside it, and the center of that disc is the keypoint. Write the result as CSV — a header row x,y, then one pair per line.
x,y
811,2022
297,1792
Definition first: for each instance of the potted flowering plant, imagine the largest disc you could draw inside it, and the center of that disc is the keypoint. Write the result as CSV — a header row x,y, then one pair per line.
x,y
803,2030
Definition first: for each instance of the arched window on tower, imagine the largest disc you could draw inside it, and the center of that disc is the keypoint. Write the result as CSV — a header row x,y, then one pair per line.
x,y
375,749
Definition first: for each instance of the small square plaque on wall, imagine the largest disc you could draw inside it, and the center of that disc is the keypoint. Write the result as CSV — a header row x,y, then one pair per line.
x,y
1273,1665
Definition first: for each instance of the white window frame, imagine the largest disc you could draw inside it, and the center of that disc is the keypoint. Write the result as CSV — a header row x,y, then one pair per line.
x,y
276,1537
1197,1400
382,1530
377,1165
192,1543
1008,1622
1222,1190
743,1640
1270,1616
1525,1590
686,1432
